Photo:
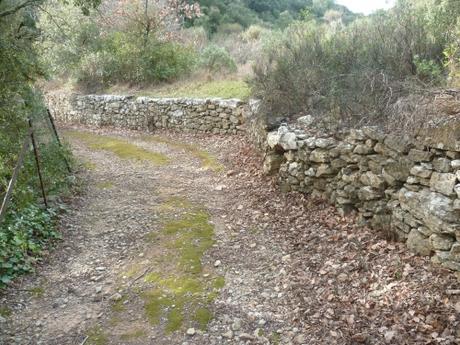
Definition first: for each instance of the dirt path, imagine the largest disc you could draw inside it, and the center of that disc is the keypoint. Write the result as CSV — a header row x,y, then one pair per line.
x,y
127,272
187,247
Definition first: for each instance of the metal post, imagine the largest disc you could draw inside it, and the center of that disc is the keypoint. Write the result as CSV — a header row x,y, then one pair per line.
x,y
14,177
37,161
53,126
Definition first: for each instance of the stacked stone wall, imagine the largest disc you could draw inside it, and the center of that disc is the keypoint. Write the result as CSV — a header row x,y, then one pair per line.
x,y
195,115
407,187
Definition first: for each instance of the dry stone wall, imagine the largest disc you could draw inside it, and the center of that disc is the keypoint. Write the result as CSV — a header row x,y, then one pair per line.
x,y
407,187
411,188
200,115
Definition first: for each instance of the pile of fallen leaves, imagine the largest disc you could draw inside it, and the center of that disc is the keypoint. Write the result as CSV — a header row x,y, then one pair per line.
x,y
347,283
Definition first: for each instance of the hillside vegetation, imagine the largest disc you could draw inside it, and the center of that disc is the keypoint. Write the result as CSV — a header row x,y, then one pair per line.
x,y
298,56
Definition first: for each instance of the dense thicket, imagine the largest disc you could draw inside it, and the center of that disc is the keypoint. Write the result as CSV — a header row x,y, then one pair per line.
x,y
27,227
360,72
219,14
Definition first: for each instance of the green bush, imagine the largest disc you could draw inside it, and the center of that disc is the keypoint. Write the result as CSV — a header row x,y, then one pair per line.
x,y
124,59
217,59
27,228
23,236
354,74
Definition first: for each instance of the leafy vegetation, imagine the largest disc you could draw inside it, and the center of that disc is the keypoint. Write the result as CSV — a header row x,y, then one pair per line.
x,y
195,89
357,73
27,229
220,15
96,52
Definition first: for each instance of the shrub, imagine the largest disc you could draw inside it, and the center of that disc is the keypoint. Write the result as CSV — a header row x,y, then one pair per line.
x,y
124,58
229,29
217,59
23,237
253,33
352,74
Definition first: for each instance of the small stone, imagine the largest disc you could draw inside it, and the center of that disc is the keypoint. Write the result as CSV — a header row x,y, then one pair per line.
x,y
306,120
262,322
457,307
300,339
319,156
236,325
423,170
420,156
228,334
220,188
342,277
246,336
116,297
372,180
217,263
368,193
191,331
360,337
389,336
98,289
286,258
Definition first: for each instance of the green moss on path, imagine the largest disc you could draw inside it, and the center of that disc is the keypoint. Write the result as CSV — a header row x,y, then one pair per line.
x,y
96,336
180,292
121,148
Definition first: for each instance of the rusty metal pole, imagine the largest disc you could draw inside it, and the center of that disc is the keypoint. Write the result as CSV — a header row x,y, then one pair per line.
x,y
53,126
37,161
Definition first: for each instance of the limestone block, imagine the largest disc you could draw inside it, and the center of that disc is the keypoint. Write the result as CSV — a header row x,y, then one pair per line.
x,y
441,242
368,193
442,165
420,156
423,170
418,243
398,143
324,143
374,133
455,164
319,156
324,169
272,163
433,209
363,149
372,180
443,183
